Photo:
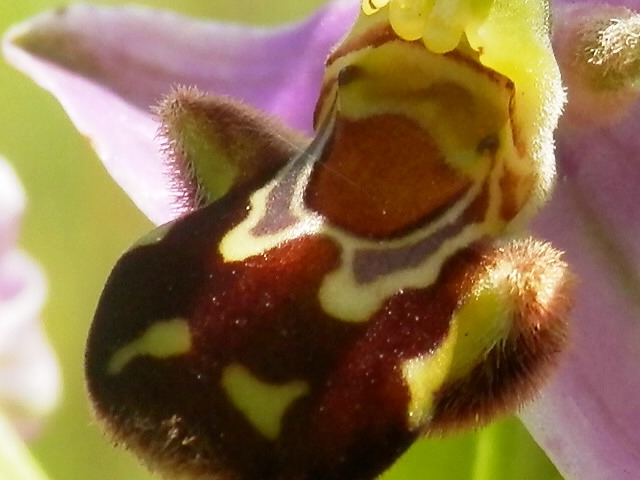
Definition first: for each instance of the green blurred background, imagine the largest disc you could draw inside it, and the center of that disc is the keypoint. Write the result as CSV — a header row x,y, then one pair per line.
x,y
77,224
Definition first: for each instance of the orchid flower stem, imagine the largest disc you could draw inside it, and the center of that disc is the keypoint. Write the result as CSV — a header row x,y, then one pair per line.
x,y
484,466
16,462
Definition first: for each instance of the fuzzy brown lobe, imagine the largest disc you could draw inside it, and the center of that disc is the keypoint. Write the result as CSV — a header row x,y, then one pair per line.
x,y
225,130
513,371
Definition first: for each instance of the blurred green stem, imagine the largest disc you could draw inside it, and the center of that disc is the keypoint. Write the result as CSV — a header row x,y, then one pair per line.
x,y
16,461
484,465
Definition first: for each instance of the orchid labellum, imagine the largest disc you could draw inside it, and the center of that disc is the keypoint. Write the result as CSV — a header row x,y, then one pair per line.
x,y
328,301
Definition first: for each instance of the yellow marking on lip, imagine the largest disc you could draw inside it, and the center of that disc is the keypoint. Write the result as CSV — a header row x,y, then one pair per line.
x,y
480,324
424,95
241,243
340,293
161,340
343,297
263,404
425,375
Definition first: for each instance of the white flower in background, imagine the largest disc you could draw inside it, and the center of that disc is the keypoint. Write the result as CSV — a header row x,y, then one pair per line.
x,y
29,374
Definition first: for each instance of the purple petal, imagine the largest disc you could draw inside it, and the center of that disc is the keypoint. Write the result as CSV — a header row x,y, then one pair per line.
x,y
588,420
29,374
632,4
107,66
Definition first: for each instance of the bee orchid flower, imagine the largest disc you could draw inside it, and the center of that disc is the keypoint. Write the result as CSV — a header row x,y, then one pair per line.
x,y
109,66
